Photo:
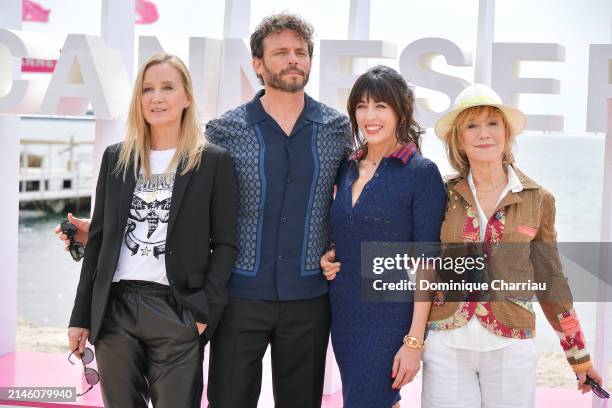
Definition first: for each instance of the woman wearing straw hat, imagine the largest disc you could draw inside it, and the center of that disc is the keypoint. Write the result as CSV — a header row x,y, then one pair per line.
x,y
481,351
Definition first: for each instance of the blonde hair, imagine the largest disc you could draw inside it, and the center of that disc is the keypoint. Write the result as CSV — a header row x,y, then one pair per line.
x,y
137,144
454,150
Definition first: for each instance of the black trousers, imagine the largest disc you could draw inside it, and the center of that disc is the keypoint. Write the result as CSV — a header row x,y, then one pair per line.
x,y
298,332
149,348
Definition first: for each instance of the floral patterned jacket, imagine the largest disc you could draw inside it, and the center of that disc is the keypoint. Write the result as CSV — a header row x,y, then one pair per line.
x,y
520,240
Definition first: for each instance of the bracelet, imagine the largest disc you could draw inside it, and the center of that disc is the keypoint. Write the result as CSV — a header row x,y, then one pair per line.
x,y
413,342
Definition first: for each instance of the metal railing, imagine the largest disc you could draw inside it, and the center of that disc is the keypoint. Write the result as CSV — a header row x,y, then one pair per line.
x,y
40,179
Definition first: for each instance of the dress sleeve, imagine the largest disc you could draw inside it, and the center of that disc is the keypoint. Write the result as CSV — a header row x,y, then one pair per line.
x,y
428,204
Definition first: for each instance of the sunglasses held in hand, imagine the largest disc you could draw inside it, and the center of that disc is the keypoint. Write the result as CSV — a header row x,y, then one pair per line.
x,y
77,250
596,388
91,376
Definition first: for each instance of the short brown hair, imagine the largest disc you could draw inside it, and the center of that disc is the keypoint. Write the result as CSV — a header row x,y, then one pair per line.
x,y
456,155
277,23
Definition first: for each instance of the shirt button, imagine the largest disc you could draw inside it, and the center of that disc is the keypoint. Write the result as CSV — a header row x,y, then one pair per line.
x,y
169,252
288,180
366,187
284,220
350,217
376,175
280,257
171,281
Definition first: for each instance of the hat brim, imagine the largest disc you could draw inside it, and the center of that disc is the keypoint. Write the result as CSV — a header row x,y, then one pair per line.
x,y
516,119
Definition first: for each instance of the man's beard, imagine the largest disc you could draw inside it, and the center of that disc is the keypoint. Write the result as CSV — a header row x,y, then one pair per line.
x,y
275,80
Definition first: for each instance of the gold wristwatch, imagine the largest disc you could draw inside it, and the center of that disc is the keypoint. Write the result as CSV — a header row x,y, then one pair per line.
x,y
413,342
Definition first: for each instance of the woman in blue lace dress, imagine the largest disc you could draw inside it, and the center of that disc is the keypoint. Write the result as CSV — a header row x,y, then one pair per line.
x,y
386,192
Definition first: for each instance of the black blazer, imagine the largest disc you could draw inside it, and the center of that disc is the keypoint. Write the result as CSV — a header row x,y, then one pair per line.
x,y
201,244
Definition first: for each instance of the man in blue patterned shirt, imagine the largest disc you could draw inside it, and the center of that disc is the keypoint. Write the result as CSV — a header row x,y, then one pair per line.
x,y
286,147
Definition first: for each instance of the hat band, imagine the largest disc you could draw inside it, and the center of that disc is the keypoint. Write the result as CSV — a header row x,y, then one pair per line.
x,y
478,100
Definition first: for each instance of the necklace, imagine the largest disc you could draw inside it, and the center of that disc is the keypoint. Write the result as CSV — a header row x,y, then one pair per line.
x,y
375,163
371,163
479,192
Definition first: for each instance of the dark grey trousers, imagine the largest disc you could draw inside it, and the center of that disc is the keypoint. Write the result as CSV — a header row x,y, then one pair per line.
x,y
298,332
149,348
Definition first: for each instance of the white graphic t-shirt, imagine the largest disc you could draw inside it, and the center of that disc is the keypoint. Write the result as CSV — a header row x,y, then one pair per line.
x,y
143,245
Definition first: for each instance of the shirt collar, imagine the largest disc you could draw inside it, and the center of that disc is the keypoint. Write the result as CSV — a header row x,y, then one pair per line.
x,y
514,184
513,181
256,113
403,153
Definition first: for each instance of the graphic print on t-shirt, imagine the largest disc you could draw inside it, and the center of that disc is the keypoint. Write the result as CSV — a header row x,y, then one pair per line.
x,y
150,207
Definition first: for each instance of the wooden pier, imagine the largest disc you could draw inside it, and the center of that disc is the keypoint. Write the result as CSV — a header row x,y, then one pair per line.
x,y
54,172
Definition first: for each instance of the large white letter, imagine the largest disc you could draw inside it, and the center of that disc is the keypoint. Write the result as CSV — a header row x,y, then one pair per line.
x,y
88,71
148,46
205,63
337,76
600,86
236,19
20,95
508,84
416,66
238,80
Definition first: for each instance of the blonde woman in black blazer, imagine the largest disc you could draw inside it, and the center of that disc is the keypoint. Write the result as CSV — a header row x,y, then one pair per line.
x,y
161,248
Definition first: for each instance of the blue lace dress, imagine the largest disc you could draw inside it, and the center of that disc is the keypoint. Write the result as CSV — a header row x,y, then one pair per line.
x,y
403,202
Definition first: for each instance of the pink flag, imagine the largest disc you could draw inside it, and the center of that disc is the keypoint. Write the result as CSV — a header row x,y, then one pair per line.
x,y
34,12
146,12
38,66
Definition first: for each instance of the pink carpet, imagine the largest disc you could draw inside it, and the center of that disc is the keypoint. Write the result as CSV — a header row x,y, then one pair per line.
x,y
53,370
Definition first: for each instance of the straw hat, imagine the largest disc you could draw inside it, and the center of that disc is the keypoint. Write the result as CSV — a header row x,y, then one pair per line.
x,y
480,95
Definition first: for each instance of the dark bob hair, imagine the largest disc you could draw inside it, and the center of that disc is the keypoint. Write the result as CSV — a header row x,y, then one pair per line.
x,y
384,84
